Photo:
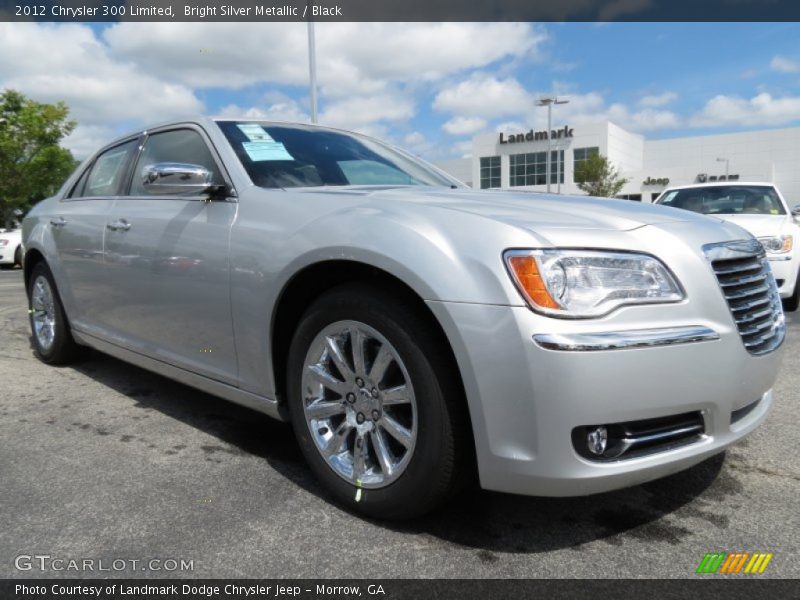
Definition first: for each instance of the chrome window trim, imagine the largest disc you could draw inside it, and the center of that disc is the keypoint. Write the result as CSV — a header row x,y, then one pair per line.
x,y
622,340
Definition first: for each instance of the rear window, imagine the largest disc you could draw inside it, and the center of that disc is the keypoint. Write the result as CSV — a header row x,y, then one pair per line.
x,y
726,200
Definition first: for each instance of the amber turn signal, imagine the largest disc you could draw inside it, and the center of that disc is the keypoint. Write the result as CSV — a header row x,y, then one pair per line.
x,y
526,275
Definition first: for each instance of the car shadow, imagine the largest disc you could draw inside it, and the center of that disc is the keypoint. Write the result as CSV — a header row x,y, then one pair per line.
x,y
487,521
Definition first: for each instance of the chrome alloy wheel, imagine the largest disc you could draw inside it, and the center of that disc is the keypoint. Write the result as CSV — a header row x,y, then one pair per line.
x,y
359,404
44,312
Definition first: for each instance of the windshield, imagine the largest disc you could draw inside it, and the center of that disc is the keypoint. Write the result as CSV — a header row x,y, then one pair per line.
x,y
281,155
726,200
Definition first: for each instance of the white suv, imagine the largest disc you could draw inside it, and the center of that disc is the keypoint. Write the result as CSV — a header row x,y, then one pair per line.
x,y
10,247
760,209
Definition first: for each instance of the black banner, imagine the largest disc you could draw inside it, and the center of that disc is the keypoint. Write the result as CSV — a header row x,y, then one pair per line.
x,y
400,10
394,589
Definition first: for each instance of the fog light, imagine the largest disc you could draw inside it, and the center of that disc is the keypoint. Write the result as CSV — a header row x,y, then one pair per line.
x,y
597,439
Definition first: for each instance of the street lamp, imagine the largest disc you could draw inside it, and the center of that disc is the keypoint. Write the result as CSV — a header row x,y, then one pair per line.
x,y
312,70
549,101
727,162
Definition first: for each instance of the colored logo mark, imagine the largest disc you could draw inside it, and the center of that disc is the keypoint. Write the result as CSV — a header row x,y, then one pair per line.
x,y
752,563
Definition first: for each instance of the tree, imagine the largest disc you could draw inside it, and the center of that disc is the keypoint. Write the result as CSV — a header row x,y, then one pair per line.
x,y
598,177
32,163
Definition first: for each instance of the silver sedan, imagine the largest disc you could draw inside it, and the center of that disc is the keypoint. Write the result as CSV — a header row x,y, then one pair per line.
x,y
415,332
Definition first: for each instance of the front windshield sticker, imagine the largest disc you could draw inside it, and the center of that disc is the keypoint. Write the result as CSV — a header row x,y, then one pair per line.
x,y
254,132
263,150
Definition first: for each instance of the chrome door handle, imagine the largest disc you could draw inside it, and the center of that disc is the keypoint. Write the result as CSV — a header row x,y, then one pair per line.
x,y
119,225
59,222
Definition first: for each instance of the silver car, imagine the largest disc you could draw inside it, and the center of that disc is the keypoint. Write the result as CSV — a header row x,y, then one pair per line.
x,y
415,332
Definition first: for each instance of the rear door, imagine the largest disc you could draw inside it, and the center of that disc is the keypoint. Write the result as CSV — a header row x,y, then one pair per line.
x,y
167,261
77,232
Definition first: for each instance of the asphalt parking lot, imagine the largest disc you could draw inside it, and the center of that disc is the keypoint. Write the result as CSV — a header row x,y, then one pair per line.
x,y
103,460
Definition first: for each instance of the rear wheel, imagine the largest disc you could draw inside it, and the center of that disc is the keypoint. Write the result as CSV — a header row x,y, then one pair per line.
x,y
18,256
375,404
52,338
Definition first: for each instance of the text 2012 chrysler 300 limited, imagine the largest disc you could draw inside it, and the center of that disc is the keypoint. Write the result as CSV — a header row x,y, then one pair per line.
x,y
414,331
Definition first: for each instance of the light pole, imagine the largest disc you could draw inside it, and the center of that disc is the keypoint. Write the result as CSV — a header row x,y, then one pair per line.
x,y
549,101
727,162
312,71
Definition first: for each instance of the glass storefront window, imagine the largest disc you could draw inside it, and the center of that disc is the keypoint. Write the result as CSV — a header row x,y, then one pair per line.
x,y
490,172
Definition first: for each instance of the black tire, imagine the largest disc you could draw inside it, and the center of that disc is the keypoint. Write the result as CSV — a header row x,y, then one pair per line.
x,y
18,256
440,463
791,303
63,349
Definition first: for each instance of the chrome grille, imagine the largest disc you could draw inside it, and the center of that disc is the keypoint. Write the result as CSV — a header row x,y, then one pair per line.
x,y
747,283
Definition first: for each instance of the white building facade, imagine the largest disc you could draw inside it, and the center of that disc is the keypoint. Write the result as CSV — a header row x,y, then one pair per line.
x,y
518,159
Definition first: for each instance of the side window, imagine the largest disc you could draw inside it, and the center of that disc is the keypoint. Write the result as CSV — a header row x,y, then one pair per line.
x,y
179,146
77,189
106,173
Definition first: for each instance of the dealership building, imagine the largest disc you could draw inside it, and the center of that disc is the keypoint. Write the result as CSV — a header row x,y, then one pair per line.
x,y
518,159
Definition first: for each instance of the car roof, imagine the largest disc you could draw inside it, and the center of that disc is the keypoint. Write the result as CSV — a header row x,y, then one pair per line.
x,y
717,184
203,120
209,121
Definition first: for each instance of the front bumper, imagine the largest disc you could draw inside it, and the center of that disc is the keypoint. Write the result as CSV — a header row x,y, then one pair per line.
x,y
785,271
525,400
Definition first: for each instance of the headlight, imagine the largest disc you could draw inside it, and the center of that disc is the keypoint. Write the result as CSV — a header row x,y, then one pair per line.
x,y
586,283
780,244
3,243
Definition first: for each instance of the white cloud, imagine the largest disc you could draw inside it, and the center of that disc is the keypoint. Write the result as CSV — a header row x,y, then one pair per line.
x,y
483,95
352,58
370,74
464,149
760,110
657,100
414,138
784,64
277,107
86,139
203,55
67,62
648,119
361,112
509,126
464,125
417,143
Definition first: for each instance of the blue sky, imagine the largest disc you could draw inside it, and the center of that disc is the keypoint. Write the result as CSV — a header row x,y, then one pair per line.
x,y
429,87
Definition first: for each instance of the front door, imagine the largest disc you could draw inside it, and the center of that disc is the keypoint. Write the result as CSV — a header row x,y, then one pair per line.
x,y
167,259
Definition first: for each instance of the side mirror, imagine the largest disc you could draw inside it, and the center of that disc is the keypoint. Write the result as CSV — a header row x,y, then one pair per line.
x,y
796,210
176,178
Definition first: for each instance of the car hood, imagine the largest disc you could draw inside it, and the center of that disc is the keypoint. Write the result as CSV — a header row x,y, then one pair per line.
x,y
541,211
760,225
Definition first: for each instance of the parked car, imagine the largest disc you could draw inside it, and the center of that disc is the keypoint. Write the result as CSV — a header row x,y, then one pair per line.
x,y
760,209
414,331
10,248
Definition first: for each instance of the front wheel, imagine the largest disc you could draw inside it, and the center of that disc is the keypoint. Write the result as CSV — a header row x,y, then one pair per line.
x,y
375,404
